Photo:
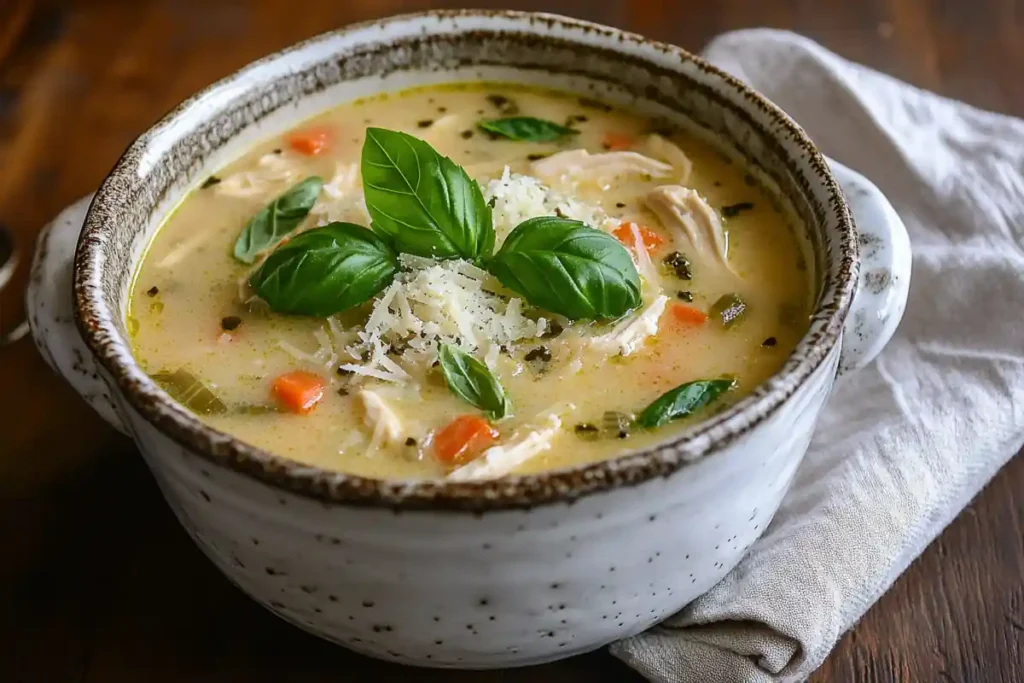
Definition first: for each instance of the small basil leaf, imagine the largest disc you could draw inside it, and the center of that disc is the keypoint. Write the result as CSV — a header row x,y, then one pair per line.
x,y
424,203
325,271
190,391
470,380
683,401
526,129
277,219
565,267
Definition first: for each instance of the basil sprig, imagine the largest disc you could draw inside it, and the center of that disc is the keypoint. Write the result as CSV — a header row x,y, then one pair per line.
x,y
325,271
568,268
683,401
526,129
423,203
277,219
470,380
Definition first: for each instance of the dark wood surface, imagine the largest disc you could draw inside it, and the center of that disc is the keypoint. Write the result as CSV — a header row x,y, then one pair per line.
x,y
98,583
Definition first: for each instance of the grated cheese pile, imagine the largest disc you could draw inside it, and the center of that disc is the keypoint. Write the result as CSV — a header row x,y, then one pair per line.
x,y
519,197
455,302
431,302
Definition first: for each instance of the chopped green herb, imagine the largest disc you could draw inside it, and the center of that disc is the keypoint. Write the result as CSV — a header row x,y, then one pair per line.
x,y
504,105
679,265
733,210
541,353
729,309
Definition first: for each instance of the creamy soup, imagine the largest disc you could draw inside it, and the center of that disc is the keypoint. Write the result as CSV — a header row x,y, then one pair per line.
x,y
468,281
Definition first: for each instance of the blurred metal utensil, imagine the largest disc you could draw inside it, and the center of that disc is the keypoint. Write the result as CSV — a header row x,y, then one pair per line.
x,y
8,262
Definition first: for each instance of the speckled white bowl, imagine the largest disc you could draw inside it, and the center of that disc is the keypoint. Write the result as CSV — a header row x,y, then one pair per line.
x,y
509,572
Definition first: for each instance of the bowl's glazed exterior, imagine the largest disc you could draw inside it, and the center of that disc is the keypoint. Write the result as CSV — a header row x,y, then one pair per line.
x,y
510,572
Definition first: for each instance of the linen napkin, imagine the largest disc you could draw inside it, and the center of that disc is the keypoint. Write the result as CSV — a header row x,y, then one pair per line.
x,y
905,443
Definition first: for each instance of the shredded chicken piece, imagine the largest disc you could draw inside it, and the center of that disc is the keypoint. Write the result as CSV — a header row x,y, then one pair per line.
x,y
667,151
386,426
628,335
691,219
498,461
273,171
579,163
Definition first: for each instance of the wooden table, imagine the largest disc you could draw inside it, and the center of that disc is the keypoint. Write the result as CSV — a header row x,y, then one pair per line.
x,y
97,581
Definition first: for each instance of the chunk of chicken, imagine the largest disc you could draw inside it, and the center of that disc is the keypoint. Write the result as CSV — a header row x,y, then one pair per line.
x,y
690,219
629,335
498,461
667,151
577,164
377,416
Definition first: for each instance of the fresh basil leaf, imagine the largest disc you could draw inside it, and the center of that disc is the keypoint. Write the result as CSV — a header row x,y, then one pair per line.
x,y
325,271
565,267
424,203
470,380
277,219
683,401
526,129
190,391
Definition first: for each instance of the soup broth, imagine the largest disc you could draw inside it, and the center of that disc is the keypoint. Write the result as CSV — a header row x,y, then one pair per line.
x,y
723,296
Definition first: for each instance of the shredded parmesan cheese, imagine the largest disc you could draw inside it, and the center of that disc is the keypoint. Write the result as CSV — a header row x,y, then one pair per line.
x,y
518,197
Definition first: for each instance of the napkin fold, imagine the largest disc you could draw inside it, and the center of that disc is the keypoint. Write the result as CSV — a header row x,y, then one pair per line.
x,y
905,443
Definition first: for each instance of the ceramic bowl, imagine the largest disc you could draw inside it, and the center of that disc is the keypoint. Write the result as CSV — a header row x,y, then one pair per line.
x,y
513,571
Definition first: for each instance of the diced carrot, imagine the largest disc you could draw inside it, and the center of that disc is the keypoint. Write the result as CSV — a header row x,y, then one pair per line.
x,y
298,391
310,141
463,438
616,141
651,239
688,314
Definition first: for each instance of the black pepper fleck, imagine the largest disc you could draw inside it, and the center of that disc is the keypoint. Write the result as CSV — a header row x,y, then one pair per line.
x,y
770,341
684,295
410,441
425,123
153,291
210,182
230,323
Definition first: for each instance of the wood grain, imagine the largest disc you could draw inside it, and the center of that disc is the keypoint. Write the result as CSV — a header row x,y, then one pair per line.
x,y
99,584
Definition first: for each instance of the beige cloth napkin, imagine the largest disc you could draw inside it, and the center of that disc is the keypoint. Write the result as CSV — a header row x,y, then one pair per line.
x,y
905,443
